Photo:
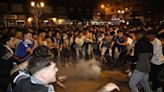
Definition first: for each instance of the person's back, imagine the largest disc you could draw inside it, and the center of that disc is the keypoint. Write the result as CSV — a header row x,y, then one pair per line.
x,y
145,52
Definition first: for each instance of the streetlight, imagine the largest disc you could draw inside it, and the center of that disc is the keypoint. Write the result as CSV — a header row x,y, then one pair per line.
x,y
37,11
42,4
121,14
122,11
103,10
29,19
102,6
32,3
119,11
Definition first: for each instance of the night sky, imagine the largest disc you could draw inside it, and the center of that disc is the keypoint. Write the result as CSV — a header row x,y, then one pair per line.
x,y
155,6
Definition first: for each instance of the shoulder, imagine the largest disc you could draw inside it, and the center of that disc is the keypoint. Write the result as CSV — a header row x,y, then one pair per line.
x,y
130,40
158,42
28,86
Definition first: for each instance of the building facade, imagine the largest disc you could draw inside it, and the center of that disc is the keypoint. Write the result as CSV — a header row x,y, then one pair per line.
x,y
122,9
13,11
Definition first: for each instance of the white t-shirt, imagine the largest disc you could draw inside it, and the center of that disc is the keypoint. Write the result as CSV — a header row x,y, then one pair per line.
x,y
158,57
130,42
79,41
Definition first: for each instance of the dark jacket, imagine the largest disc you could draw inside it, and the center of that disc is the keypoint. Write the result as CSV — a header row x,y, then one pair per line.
x,y
6,64
143,53
25,85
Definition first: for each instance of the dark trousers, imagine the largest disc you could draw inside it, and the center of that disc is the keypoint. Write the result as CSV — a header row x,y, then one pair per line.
x,y
155,70
162,86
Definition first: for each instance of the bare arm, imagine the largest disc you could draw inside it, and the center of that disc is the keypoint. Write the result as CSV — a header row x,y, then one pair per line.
x,y
19,67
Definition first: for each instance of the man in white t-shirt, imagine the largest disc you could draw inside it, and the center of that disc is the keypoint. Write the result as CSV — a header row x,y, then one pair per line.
x,y
128,42
157,60
79,41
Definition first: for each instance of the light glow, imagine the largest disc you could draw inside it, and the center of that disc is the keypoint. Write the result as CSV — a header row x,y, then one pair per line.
x,y
42,4
32,3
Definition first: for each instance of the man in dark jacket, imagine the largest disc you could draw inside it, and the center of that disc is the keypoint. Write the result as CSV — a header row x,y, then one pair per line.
x,y
7,59
43,71
143,53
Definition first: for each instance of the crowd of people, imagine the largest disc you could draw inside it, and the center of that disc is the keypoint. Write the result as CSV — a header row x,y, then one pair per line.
x,y
141,46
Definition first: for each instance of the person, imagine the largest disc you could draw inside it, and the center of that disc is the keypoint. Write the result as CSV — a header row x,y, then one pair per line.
x,y
127,44
105,47
88,41
43,71
7,59
143,52
65,51
22,69
18,38
79,41
40,50
41,37
24,49
156,62
116,48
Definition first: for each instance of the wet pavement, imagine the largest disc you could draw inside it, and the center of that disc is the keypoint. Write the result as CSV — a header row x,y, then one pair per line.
x,y
77,82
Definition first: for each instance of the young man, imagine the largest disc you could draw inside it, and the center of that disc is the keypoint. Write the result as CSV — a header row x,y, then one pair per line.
x,y
143,52
18,38
24,49
79,41
7,59
43,71
21,69
41,36
156,62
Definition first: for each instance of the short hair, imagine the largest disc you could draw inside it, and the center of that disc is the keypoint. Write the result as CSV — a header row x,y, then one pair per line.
x,y
119,31
112,33
41,50
26,32
80,32
152,32
4,39
126,34
141,31
41,31
86,29
39,62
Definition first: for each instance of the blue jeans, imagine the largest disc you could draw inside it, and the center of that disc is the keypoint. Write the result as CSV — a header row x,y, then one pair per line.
x,y
79,52
139,78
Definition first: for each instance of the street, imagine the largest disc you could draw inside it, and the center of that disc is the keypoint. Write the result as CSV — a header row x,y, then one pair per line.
x,y
76,82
